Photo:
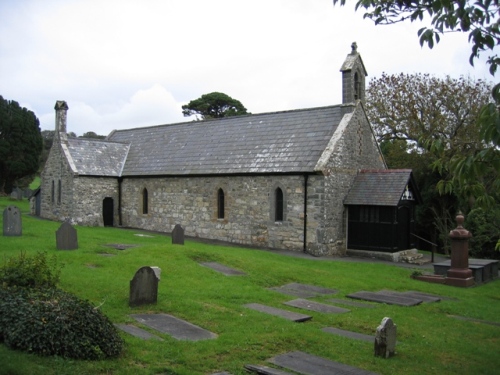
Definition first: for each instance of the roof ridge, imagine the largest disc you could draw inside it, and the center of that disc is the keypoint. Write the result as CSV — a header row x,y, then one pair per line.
x,y
194,122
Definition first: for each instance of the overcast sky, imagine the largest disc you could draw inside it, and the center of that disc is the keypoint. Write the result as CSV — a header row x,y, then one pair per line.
x,y
130,63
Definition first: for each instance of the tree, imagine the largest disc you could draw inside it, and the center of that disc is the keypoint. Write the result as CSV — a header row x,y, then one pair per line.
x,y
92,135
21,144
214,105
406,108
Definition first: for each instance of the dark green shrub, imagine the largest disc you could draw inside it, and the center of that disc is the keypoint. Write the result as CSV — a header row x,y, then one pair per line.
x,y
53,322
485,228
36,271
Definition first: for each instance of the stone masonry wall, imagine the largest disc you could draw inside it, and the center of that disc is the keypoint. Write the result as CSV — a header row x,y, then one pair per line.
x,y
56,186
249,208
356,149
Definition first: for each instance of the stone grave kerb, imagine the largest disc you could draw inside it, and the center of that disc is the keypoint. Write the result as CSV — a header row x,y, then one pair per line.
x,y
12,224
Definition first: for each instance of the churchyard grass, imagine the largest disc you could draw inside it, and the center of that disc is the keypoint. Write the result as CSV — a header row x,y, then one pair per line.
x,y
430,340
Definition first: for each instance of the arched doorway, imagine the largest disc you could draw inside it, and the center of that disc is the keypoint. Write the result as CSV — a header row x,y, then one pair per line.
x,y
107,211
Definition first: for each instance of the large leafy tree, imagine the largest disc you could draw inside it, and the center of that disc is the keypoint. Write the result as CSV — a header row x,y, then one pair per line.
x,y
405,109
214,105
21,144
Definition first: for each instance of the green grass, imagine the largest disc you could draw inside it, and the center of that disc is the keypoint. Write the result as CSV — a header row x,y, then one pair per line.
x,y
430,341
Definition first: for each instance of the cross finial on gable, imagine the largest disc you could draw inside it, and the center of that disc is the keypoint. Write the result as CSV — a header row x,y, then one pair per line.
x,y
354,47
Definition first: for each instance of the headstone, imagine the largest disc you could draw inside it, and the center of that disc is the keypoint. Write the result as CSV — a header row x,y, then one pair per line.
x,y
12,221
178,235
16,194
144,286
66,237
385,339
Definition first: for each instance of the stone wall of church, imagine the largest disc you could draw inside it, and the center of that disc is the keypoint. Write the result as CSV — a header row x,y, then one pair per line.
x,y
356,149
248,213
56,186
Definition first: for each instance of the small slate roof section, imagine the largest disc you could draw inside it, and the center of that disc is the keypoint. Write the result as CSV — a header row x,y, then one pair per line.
x,y
94,157
381,187
278,142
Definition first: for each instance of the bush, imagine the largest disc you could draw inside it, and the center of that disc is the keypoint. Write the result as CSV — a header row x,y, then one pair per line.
x,y
53,322
36,271
485,229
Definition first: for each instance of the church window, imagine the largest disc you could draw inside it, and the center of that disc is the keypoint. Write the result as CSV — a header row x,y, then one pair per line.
x,y
145,201
220,204
357,87
52,194
59,192
278,200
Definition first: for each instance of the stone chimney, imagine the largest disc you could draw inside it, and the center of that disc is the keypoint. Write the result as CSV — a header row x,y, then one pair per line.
x,y
353,77
61,108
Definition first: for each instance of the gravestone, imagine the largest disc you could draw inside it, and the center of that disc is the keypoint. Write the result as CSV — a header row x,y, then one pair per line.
x,y
144,286
178,235
385,339
66,237
12,221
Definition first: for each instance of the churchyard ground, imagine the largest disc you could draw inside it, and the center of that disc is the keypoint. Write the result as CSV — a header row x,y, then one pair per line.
x,y
430,339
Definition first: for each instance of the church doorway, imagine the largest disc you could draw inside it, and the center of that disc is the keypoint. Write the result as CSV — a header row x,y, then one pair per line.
x,y
107,211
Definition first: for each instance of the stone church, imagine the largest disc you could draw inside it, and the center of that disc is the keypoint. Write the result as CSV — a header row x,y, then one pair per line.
x,y
274,180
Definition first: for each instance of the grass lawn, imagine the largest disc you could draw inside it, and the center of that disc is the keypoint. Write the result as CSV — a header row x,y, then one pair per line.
x,y
429,340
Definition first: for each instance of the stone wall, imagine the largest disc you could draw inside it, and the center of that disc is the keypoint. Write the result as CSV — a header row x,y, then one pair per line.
x,y
249,208
56,186
353,148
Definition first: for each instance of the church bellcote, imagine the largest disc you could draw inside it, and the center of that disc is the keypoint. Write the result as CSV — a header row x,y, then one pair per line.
x,y
61,108
353,77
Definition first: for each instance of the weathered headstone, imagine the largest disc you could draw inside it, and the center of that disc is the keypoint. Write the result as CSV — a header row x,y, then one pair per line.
x,y
178,235
12,221
144,286
385,339
66,237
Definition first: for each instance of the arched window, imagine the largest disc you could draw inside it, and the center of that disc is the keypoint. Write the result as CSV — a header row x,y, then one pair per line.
x,y
59,192
145,201
220,204
357,87
52,194
278,199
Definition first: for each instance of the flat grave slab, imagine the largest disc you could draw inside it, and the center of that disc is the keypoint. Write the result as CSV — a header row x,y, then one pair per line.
x,y
316,306
349,334
137,332
289,315
303,290
385,298
351,303
417,295
222,269
309,364
475,320
265,370
177,328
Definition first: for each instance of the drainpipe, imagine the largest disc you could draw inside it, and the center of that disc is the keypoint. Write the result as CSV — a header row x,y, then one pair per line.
x,y
306,177
120,180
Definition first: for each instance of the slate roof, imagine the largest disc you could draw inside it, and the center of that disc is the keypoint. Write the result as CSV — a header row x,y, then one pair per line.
x,y
96,157
277,142
381,187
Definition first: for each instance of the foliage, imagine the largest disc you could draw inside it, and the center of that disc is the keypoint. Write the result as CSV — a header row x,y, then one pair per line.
x,y
52,322
20,144
214,105
405,109
485,229
478,18
92,135
30,271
